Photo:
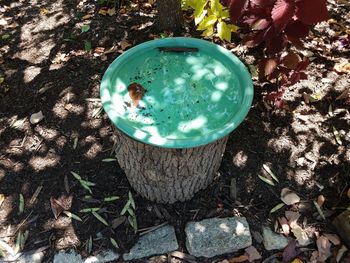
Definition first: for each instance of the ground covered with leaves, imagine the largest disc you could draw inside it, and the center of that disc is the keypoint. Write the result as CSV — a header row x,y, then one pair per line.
x,y
61,187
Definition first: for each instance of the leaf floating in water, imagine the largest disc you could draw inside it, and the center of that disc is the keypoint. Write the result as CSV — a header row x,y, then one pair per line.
x,y
136,92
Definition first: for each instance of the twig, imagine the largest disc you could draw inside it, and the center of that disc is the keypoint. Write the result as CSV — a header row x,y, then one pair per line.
x,y
22,143
150,229
279,254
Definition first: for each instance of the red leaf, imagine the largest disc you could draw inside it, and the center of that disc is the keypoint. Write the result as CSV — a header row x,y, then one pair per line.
x,y
267,66
236,8
291,60
312,11
261,24
297,29
280,104
282,13
263,3
276,44
303,75
253,39
290,252
303,64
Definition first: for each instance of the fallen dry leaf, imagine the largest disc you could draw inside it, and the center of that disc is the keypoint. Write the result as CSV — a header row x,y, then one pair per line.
x,y
340,253
333,238
118,221
238,259
297,260
348,194
284,224
320,200
136,92
343,67
103,11
2,199
300,235
88,16
36,117
344,95
324,248
289,197
147,5
290,251
61,204
124,44
111,11
292,218
252,253
43,11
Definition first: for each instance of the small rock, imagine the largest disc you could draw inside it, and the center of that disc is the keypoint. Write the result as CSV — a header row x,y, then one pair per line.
x,y
342,224
272,240
160,241
104,256
36,117
217,236
70,256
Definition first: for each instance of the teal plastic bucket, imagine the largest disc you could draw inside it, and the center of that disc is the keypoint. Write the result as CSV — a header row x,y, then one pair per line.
x,y
191,92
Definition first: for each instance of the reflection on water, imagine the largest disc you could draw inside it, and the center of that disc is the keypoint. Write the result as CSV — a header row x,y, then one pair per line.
x,y
186,94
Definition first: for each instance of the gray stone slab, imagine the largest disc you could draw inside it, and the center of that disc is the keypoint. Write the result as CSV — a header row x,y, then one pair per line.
x,y
159,241
70,256
217,236
103,257
342,224
273,240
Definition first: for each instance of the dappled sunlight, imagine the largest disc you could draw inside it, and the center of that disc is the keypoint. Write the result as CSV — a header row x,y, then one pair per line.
x,y
30,73
240,159
40,163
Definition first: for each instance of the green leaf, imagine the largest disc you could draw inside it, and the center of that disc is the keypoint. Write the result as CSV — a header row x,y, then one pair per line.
x,y
224,31
18,245
89,210
76,176
114,243
89,245
268,170
5,36
277,207
268,181
319,210
111,198
130,211
207,22
208,32
85,28
88,183
99,218
127,205
71,215
87,46
75,143
132,202
216,7
21,204
85,186
199,11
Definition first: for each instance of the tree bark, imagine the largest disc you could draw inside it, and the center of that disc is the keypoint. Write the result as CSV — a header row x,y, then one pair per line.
x,y
170,16
169,175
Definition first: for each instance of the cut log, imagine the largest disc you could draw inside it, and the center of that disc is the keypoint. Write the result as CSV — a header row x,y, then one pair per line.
x,y
169,175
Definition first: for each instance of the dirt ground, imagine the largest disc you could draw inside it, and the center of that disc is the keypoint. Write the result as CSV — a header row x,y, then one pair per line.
x,y
45,68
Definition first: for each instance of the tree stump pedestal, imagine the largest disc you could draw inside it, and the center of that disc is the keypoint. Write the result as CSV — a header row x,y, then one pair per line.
x,y
168,175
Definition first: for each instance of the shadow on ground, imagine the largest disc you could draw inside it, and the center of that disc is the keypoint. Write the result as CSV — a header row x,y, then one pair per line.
x,y
74,136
